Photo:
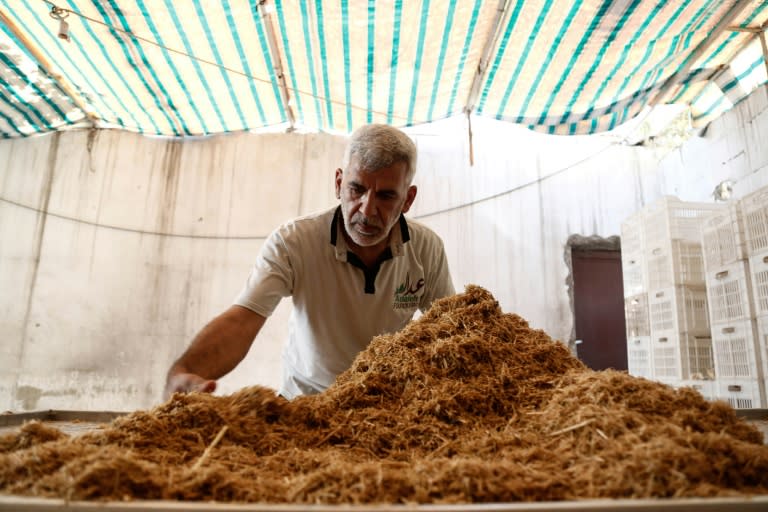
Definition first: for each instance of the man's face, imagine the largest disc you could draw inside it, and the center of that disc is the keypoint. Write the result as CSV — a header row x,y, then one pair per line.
x,y
371,202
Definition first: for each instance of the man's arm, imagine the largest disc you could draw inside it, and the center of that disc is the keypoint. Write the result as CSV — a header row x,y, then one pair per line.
x,y
215,351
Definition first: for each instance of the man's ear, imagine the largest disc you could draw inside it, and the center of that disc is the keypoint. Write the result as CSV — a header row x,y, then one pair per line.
x,y
337,181
409,197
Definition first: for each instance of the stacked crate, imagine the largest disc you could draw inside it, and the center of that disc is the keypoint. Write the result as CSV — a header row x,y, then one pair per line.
x,y
634,274
681,342
738,358
666,306
754,209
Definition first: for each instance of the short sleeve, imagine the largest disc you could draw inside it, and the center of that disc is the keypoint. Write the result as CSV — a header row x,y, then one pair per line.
x,y
271,277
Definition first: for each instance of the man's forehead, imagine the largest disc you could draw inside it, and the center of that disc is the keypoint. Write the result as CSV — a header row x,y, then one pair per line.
x,y
355,166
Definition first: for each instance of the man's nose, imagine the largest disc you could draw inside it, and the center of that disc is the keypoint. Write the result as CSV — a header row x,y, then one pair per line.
x,y
369,204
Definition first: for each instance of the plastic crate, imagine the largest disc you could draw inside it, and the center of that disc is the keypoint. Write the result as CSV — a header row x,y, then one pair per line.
x,y
762,345
666,360
639,356
632,239
742,393
678,309
633,266
679,357
677,262
729,292
758,269
754,209
636,316
706,388
696,357
673,219
634,275
722,238
736,349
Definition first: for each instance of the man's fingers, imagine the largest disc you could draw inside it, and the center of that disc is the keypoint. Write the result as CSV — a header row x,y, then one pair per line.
x,y
189,382
208,386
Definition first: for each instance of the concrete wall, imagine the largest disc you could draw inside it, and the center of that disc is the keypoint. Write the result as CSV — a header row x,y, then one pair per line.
x,y
115,248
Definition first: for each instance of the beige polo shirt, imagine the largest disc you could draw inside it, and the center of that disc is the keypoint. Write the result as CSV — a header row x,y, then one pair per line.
x,y
338,304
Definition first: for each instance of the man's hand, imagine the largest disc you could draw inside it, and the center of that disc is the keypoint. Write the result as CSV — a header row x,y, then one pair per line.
x,y
186,383
214,352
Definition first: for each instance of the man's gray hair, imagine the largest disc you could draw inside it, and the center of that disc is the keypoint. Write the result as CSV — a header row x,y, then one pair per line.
x,y
380,145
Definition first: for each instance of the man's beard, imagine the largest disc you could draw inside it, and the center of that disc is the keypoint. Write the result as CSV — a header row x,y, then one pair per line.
x,y
368,237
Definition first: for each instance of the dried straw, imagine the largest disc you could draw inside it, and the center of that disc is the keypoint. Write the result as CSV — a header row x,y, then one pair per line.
x,y
465,404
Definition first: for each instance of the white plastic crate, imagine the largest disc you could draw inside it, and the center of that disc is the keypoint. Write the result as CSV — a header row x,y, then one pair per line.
x,y
696,357
632,242
722,238
754,209
639,356
673,219
762,343
634,275
729,292
742,393
758,269
681,356
666,360
633,266
706,388
736,349
678,309
636,316
676,262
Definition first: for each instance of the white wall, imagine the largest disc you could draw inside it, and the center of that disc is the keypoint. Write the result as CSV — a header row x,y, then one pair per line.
x,y
116,248
144,241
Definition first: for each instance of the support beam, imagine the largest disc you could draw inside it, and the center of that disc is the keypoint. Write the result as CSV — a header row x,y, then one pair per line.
x,y
277,64
758,32
765,51
63,83
490,44
702,47
469,134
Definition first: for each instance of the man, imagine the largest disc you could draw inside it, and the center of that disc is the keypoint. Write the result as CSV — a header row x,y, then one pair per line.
x,y
353,272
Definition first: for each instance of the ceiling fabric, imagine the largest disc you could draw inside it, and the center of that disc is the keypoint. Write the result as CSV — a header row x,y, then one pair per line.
x,y
194,67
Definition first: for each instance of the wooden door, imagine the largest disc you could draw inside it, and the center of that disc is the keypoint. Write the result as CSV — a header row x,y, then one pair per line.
x,y
598,297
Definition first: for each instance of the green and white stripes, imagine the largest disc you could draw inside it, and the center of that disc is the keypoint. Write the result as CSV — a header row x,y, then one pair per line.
x,y
193,67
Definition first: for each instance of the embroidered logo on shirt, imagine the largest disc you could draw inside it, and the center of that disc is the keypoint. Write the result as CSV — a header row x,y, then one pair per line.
x,y
405,294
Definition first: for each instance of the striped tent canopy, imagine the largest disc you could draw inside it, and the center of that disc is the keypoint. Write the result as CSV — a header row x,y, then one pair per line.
x,y
195,67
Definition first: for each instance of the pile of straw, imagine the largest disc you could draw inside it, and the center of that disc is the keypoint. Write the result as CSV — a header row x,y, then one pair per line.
x,y
465,404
